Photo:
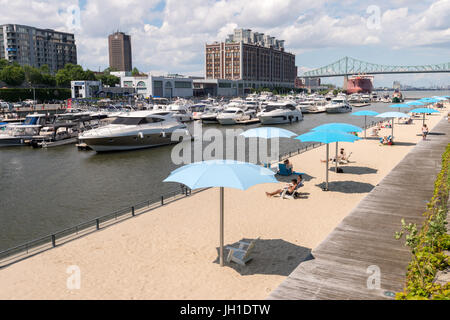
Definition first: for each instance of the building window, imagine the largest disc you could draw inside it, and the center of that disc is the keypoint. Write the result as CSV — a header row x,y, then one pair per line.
x,y
183,85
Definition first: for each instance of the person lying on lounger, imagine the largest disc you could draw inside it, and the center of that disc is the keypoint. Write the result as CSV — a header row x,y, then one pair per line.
x,y
342,157
290,189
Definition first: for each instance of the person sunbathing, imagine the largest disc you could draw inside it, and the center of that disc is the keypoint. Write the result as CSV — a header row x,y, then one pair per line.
x,y
341,157
290,189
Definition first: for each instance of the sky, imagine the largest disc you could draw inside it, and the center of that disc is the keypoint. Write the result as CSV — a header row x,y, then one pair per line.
x,y
168,36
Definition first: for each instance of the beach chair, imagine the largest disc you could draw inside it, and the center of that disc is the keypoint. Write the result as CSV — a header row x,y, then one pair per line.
x,y
285,196
346,160
283,171
241,255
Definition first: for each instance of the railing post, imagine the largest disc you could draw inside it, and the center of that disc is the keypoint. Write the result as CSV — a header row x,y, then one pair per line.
x,y
97,222
162,200
132,211
54,241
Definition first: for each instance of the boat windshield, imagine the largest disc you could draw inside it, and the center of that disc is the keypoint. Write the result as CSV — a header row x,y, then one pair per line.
x,y
128,121
30,121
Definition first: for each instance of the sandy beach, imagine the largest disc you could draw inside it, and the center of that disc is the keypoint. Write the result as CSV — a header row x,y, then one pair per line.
x,y
171,252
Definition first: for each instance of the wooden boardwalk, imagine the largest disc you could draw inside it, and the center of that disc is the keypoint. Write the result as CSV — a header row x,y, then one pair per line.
x,y
341,265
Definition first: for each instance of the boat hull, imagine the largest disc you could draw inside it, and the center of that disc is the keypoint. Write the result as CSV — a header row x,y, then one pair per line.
x,y
13,141
278,119
339,110
131,142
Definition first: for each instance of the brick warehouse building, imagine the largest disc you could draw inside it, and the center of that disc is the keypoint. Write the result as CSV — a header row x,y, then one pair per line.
x,y
258,59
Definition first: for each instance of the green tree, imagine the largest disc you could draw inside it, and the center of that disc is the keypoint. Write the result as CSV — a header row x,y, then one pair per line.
x,y
12,75
72,72
135,72
32,75
3,63
108,79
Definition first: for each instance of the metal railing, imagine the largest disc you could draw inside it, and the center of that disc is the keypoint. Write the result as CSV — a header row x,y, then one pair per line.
x,y
42,244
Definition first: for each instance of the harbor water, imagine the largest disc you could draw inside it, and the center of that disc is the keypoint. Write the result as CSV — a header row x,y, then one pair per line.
x,y
44,191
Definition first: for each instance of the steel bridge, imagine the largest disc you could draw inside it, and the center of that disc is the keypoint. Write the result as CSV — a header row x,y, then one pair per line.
x,y
349,66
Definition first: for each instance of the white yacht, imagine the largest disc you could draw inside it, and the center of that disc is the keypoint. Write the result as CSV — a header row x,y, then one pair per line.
x,y
366,98
181,112
210,115
135,130
339,105
279,113
21,134
233,115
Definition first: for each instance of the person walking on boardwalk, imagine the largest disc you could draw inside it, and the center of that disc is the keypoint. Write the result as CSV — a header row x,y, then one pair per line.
x,y
425,132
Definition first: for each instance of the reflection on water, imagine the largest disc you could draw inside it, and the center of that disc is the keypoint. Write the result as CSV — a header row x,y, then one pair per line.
x,y
43,191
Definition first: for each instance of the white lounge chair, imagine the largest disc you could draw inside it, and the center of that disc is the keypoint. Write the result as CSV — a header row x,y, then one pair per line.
x,y
346,160
241,255
284,195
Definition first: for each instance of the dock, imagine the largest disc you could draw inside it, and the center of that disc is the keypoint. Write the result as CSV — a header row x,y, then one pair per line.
x,y
340,268
248,122
360,105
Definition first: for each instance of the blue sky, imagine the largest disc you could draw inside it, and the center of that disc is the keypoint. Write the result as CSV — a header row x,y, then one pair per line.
x,y
169,35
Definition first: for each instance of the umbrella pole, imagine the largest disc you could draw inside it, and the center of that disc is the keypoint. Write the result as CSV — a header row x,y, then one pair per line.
x,y
393,129
337,151
328,166
365,127
222,198
424,119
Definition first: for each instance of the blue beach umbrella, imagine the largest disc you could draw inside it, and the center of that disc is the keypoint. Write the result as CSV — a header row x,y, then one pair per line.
x,y
365,114
399,106
341,127
327,137
424,111
393,115
268,133
415,103
222,174
344,127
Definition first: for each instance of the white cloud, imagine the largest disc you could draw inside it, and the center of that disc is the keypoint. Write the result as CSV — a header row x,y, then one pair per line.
x,y
176,43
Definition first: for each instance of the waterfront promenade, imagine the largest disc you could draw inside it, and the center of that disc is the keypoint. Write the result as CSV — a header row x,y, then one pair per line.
x,y
171,252
364,241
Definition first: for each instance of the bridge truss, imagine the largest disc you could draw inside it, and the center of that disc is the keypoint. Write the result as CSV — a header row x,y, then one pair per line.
x,y
349,66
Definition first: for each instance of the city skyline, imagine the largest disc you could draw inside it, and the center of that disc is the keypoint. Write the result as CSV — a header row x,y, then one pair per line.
x,y
169,37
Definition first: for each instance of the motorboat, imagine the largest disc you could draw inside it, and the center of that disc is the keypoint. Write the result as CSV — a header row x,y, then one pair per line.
x,y
366,98
21,134
280,113
233,115
339,105
198,110
210,115
135,130
18,135
181,112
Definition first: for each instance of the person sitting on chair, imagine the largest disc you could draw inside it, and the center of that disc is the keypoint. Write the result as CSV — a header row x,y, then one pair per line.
x,y
288,165
286,169
290,189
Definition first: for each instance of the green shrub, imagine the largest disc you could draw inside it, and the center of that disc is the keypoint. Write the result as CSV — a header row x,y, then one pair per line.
x,y
429,243
42,94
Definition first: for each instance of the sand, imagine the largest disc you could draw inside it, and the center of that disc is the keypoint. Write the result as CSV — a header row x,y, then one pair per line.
x,y
171,252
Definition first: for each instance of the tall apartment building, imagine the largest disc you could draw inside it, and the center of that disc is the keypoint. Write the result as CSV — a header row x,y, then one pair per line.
x,y
37,47
120,56
258,59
